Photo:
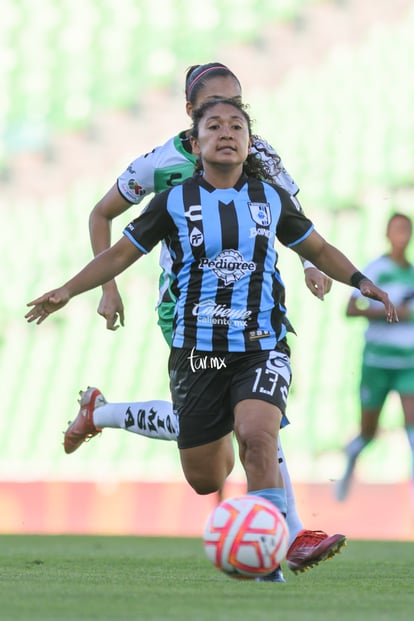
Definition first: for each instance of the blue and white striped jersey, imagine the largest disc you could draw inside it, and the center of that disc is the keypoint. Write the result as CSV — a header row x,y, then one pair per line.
x,y
230,296
170,164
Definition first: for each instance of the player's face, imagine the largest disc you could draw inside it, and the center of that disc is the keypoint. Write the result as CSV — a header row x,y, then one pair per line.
x,y
399,233
223,136
221,87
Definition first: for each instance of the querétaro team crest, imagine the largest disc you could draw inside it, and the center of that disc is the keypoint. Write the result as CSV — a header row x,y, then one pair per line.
x,y
261,214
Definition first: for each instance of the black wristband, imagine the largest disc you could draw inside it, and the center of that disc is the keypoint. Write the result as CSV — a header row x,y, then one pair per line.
x,y
357,278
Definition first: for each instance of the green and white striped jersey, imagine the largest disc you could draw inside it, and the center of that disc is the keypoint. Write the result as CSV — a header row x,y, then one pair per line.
x,y
390,345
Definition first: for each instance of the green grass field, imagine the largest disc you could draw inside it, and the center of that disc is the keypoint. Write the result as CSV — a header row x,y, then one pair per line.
x,y
67,578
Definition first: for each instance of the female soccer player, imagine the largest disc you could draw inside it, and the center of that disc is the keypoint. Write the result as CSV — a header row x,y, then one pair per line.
x,y
166,166
220,227
155,171
388,357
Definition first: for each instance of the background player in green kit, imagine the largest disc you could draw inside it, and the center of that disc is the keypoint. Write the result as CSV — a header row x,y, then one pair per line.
x,y
230,196
388,357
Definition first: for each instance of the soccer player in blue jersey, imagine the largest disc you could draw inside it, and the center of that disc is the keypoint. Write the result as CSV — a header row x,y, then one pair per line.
x,y
220,227
157,170
168,165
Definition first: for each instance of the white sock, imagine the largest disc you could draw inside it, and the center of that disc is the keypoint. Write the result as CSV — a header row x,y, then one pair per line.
x,y
294,522
156,419
153,419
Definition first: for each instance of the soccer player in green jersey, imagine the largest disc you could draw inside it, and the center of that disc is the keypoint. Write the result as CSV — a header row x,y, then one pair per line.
x,y
388,356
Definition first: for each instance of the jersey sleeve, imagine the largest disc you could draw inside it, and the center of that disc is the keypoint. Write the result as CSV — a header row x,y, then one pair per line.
x,y
293,226
152,225
280,175
138,180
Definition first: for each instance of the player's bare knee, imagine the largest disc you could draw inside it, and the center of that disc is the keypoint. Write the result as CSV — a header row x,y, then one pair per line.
x,y
259,441
204,487
203,483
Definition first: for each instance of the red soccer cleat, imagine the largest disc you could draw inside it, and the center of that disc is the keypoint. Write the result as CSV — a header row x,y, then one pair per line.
x,y
82,428
311,547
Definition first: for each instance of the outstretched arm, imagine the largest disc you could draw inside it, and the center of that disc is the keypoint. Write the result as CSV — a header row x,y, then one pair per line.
x,y
358,307
100,220
336,265
104,267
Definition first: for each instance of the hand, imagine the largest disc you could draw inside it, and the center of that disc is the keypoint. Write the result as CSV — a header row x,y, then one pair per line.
x,y
111,308
369,290
317,282
47,304
404,312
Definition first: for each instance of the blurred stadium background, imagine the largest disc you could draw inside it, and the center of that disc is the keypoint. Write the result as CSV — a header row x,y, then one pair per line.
x,y
85,88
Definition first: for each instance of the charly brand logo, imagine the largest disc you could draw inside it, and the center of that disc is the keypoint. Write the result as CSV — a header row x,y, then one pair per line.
x,y
260,213
193,213
220,315
229,266
206,361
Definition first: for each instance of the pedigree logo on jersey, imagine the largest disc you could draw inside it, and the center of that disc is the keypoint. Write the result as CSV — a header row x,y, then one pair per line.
x,y
260,213
229,266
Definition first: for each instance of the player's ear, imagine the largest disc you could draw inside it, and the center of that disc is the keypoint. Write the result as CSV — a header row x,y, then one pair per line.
x,y
189,109
195,147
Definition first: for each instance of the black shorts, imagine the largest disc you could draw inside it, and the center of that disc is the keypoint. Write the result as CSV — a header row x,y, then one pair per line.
x,y
206,386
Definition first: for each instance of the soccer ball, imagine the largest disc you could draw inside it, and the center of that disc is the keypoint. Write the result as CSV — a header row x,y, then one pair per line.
x,y
246,537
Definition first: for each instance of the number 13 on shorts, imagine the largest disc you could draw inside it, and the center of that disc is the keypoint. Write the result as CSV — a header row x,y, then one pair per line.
x,y
275,375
